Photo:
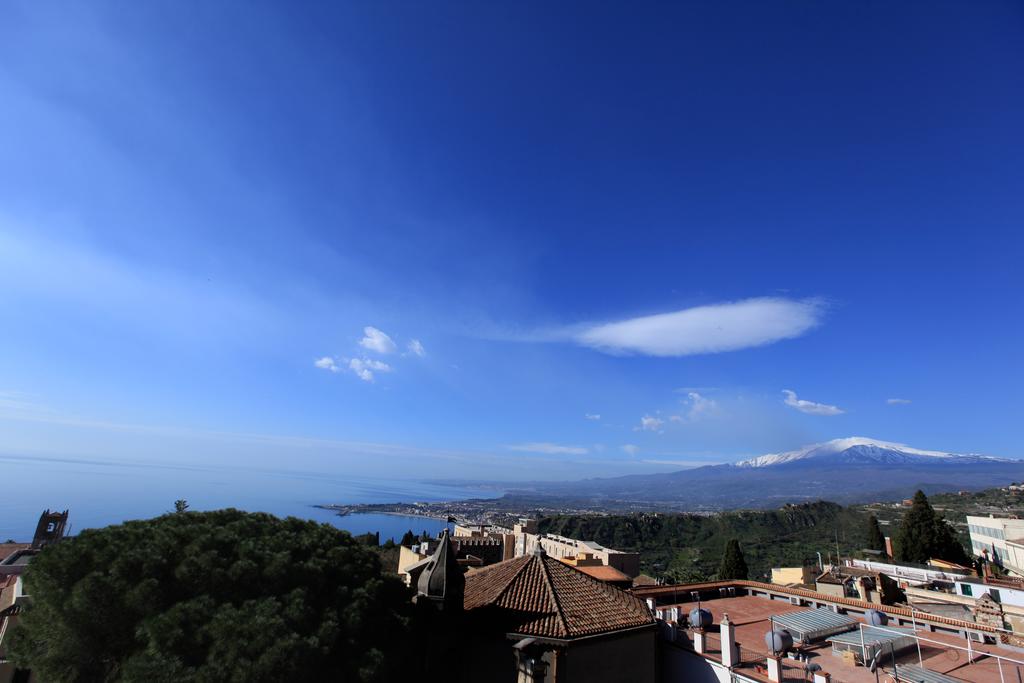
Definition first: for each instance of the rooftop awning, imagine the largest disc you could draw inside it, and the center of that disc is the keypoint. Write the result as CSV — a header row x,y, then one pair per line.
x,y
916,674
814,624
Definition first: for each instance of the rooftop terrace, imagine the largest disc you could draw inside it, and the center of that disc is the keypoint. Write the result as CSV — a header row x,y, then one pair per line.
x,y
946,654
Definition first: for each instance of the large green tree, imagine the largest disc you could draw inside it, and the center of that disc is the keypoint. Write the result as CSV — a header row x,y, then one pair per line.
x,y
876,539
733,565
924,534
212,596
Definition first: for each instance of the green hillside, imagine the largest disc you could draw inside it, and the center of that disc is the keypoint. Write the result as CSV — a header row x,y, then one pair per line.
x,y
686,547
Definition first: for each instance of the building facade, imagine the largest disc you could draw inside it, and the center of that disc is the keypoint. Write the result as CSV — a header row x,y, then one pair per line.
x,y
1001,538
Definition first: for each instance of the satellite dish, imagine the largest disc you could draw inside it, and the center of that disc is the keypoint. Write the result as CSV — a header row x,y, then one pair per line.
x,y
700,618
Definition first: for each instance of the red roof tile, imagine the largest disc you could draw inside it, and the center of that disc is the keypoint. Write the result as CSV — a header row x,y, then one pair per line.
x,y
540,596
603,572
10,548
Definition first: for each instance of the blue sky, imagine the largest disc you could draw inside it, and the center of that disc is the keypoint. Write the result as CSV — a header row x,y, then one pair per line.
x,y
509,241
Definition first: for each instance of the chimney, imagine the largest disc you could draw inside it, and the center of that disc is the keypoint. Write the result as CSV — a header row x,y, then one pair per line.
x,y
699,641
730,657
822,677
888,546
775,668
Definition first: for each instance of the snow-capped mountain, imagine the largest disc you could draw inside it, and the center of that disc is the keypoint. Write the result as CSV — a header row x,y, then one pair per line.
x,y
861,450
845,471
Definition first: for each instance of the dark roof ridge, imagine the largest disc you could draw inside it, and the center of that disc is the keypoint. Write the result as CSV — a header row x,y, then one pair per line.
x,y
552,592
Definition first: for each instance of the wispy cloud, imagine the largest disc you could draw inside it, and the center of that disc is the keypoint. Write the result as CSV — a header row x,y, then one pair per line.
x,y
416,348
630,449
592,416
327,363
898,401
810,407
678,463
365,367
698,407
650,423
706,329
547,448
376,340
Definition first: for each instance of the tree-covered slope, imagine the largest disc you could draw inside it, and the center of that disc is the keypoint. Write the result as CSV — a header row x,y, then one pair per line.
x,y
690,547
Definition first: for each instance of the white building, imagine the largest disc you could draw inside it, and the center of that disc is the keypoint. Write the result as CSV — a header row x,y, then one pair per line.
x,y
1002,537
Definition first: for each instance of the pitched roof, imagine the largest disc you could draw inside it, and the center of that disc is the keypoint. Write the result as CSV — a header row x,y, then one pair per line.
x,y
603,572
540,596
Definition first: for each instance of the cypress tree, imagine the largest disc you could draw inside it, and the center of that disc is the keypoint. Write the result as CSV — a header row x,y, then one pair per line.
x,y
876,539
733,565
924,535
409,539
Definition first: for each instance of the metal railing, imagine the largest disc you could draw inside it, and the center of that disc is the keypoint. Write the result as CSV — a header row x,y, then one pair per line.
x,y
1005,665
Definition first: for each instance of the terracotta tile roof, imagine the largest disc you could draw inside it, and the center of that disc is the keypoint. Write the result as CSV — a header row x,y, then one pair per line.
x,y
539,596
603,572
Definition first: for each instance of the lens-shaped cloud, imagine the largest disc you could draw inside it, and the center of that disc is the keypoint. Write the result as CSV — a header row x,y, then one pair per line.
x,y
706,329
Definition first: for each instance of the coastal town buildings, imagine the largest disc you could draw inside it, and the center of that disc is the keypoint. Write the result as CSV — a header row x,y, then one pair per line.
x,y
955,591
856,582
1000,539
527,536
484,544
794,576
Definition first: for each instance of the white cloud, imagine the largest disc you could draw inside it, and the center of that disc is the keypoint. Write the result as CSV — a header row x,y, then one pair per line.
x,y
376,340
327,363
630,449
699,407
592,416
365,367
810,407
706,329
416,348
649,423
548,448
897,401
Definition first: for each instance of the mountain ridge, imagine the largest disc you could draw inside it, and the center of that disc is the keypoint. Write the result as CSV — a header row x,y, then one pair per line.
x,y
865,447
850,470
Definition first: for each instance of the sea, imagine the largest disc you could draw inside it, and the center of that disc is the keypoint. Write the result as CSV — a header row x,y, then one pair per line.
x,y
98,493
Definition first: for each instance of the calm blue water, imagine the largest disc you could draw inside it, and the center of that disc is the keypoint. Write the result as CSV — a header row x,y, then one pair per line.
x,y
101,493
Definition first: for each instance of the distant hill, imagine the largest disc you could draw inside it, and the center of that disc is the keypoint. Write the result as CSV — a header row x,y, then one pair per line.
x,y
849,470
689,547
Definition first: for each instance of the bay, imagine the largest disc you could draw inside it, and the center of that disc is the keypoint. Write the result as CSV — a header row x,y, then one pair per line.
x,y
98,493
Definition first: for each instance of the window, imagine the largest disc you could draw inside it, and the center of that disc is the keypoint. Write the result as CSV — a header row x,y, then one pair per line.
x,y
994,594
965,589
